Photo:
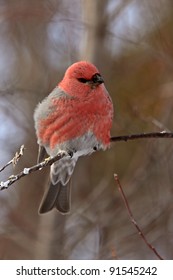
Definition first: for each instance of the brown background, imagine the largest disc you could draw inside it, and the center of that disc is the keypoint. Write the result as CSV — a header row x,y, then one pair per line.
x,y
131,42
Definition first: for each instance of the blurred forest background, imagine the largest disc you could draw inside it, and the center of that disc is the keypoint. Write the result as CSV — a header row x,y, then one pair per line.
x,y
131,42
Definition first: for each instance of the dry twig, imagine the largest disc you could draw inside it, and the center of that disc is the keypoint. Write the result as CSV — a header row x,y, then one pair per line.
x,y
15,159
48,161
162,134
132,218
13,178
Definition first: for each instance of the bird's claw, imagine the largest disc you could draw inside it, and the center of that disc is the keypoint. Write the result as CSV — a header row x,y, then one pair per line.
x,y
70,153
47,159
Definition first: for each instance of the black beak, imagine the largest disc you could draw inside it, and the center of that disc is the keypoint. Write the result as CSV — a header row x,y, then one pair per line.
x,y
97,79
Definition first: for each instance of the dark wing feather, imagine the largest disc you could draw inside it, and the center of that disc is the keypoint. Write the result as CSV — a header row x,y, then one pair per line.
x,y
41,154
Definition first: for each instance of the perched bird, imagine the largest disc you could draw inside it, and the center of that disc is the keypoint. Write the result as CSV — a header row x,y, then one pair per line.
x,y
76,117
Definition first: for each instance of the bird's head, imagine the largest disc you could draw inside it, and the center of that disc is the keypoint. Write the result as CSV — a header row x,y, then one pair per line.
x,y
82,77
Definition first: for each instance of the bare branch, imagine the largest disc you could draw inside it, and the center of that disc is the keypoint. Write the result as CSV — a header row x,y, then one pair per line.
x,y
48,161
132,217
15,159
162,134
13,178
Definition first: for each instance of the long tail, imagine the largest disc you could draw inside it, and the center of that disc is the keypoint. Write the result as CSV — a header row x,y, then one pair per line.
x,y
58,194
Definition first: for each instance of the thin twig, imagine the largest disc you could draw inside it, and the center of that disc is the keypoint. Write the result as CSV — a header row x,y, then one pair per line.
x,y
132,217
162,134
15,159
48,161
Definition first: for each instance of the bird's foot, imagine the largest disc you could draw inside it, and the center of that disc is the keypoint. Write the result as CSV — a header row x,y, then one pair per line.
x,y
70,153
47,159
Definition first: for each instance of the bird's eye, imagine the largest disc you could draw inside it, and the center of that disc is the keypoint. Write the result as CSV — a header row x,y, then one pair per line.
x,y
82,80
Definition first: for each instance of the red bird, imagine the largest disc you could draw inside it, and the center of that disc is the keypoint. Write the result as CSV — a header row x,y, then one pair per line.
x,y
76,117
